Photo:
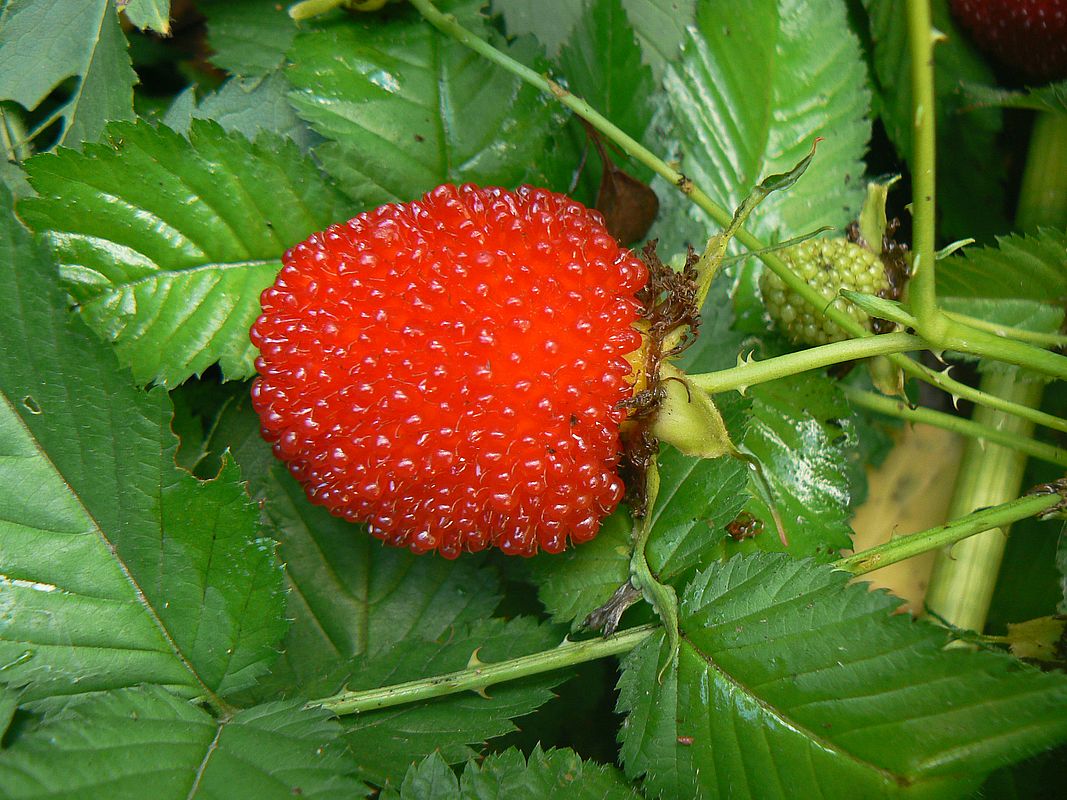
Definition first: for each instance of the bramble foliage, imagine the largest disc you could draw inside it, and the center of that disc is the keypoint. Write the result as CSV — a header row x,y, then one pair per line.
x,y
172,607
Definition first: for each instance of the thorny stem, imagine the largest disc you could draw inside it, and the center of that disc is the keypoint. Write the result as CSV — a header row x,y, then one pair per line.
x,y
976,430
1041,339
921,287
448,25
479,676
751,373
905,547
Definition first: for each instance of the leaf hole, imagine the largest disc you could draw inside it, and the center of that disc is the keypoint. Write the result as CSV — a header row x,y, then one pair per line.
x,y
31,405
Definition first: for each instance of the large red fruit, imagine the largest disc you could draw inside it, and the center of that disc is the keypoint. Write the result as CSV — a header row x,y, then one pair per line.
x,y
449,370
1029,35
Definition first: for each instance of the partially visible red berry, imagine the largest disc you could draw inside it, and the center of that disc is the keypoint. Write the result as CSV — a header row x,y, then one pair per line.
x,y
449,370
1028,35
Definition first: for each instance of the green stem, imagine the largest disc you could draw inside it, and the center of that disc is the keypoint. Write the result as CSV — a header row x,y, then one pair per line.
x,y
922,296
755,372
896,408
307,9
962,583
1009,332
1043,195
964,339
952,533
12,134
478,677
448,25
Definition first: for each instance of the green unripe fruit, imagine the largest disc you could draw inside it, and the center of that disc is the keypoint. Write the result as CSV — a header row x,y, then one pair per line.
x,y
828,266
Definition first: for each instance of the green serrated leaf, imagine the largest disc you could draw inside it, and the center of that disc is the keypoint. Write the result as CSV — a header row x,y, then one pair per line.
x,y
969,176
803,437
387,741
1020,267
248,37
549,21
170,266
119,568
729,143
145,14
555,773
601,61
1042,98
44,42
410,109
137,743
349,596
790,683
247,106
660,26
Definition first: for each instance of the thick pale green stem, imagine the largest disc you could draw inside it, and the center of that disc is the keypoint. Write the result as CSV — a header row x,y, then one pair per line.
x,y
478,677
921,291
1043,195
949,422
964,576
755,372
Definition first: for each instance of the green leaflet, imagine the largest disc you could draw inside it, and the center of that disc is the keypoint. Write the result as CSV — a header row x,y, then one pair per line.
x,y
409,109
350,596
44,42
154,14
792,684
247,37
800,58
547,774
119,568
170,266
135,743
247,106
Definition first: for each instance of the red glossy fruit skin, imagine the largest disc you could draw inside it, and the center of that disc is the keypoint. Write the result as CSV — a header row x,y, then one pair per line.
x,y
449,370
1028,35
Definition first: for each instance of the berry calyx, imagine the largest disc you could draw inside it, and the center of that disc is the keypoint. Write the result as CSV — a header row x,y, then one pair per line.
x,y
828,266
1027,35
450,370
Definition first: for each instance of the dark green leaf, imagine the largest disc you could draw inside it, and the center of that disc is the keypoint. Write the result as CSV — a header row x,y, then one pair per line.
x,y
549,21
556,773
970,176
170,266
790,683
601,61
410,108
248,37
388,741
349,594
660,27
119,567
137,743
1020,267
1045,98
247,106
44,42
154,14
800,57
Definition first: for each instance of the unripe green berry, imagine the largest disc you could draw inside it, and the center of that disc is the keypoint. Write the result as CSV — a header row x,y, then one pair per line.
x,y
828,266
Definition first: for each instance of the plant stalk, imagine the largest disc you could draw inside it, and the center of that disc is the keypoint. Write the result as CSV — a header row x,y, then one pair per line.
x,y
754,372
951,533
478,677
922,296
972,428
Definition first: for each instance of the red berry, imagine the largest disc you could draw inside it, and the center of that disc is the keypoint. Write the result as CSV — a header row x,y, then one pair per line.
x,y
449,370
1029,35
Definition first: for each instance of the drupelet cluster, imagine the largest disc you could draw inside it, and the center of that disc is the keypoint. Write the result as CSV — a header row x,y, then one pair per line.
x,y
449,370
